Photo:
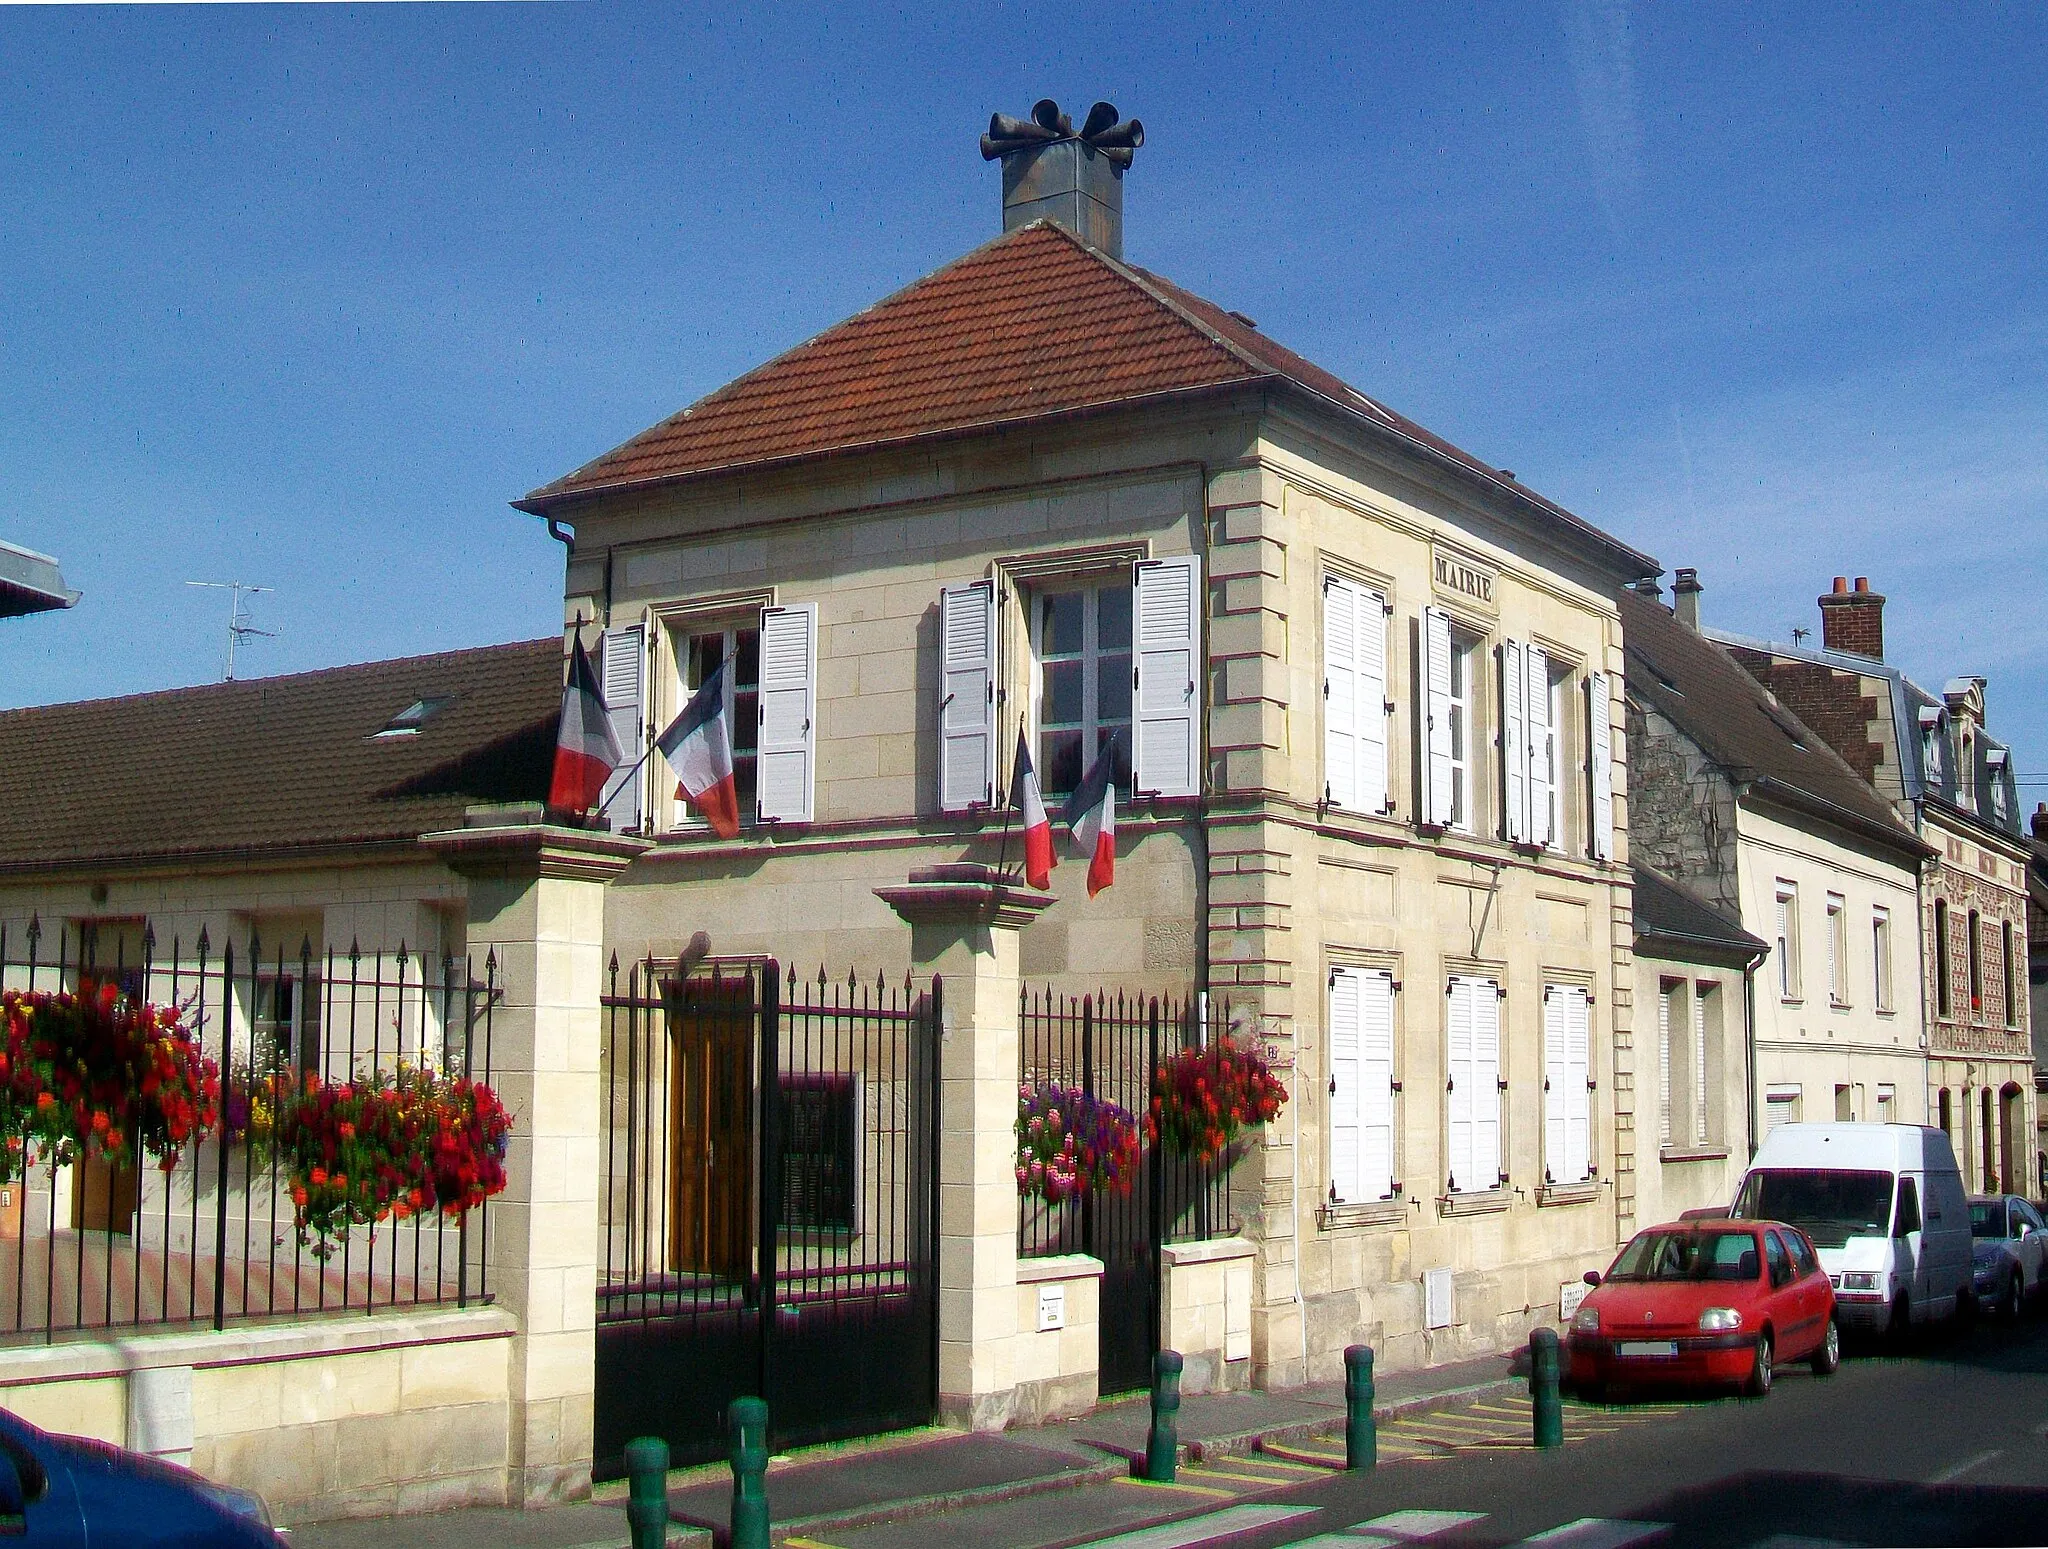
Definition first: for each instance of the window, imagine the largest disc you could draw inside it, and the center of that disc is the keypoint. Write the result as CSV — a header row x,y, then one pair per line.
x,y
1942,993
284,1020
1473,1089
1788,941
1985,1153
1705,997
1881,957
1450,730
700,651
1599,766
1667,1017
1567,1084
1887,1103
1845,1106
1945,1106
1529,699
1354,696
407,722
1781,1106
622,676
1907,1217
1361,1029
1838,950
1081,641
1546,762
1463,733
820,1153
2005,974
1976,945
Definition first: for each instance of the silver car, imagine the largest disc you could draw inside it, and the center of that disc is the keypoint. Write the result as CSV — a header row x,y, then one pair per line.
x,y
2009,1243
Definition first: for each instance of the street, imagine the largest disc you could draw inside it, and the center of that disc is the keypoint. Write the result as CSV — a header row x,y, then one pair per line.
x,y
1945,1445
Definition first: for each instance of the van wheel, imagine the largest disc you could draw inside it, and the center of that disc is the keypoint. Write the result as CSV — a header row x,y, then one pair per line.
x,y
1901,1325
1760,1374
1829,1355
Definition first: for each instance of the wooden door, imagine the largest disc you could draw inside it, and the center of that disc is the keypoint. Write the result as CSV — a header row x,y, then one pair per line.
x,y
711,1225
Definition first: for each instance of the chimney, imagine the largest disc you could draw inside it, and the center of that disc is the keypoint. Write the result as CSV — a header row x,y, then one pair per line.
x,y
1685,597
1052,172
1853,621
2041,820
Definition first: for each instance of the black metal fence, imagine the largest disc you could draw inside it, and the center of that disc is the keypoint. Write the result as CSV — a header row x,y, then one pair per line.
x,y
768,1205
87,1246
1109,1047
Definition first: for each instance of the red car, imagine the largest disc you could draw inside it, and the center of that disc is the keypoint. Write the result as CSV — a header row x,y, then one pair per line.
x,y
1705,1302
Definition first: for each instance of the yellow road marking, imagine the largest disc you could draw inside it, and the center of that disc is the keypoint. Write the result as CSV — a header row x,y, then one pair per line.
x,y
808,1543
1192,1489
1261,1461
1207,1472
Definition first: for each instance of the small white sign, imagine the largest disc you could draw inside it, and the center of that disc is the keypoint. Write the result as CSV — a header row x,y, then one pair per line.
x,y
1569,1295
1052,1308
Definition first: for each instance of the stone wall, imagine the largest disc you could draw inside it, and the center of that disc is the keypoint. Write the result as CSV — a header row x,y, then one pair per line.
x,y
1681,809
1205,1311
1059,1335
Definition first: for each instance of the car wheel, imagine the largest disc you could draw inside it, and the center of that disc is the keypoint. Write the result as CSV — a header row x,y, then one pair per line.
x,y
1829,1355
1760,1374
2010,1305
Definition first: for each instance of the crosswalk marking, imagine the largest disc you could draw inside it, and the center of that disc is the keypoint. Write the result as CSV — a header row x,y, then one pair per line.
x,y
1597,1533
1191,1489
1413,1525
1204,1529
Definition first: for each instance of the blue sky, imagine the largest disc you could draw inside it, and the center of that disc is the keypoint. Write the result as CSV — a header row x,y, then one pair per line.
x,y
304,294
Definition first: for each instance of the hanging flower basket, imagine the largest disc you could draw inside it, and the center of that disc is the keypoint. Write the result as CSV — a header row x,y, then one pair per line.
x,y
1204,1099
388,1147
96,1073
1069,1144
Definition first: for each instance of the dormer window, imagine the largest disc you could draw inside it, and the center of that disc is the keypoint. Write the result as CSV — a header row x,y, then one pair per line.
x,y
407,722
1932,734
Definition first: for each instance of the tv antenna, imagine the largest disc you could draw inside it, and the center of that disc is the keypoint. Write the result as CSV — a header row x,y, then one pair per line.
x,y
238,617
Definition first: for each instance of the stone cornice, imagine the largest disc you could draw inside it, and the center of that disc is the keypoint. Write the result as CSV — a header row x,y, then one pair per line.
x,y
965,893
504,841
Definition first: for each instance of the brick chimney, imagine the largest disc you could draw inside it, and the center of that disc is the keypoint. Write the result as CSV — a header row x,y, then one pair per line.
x,y
1853,621
2041,820
1685,596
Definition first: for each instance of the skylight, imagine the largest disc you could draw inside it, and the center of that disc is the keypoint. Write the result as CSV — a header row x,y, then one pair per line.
x,y
407,722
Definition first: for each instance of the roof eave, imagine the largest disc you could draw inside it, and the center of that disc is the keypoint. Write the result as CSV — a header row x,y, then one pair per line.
x,y
1894,835
1746,952
543,503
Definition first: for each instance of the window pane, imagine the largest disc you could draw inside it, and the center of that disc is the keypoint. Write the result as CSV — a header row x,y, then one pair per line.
x,y
747,670
1113,689
1059,760
706,652
1063,694
1122,772
1113,621
746,721
1062,635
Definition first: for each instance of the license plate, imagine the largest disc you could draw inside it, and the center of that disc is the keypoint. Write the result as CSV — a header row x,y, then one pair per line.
x,y
1647,1347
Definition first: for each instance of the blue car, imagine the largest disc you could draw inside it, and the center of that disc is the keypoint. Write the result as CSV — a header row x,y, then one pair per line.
x,y
69,1490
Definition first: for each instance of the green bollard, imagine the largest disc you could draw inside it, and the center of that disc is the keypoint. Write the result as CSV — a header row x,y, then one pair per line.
x,y
1543,1375
1162,1446
647,1505
746,1428
1361,1434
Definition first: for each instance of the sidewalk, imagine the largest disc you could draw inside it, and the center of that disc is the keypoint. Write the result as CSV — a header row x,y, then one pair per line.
x,y
837,1490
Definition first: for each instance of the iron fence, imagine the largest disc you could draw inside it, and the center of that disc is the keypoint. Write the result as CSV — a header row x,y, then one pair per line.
x,y
213,1238
767,1204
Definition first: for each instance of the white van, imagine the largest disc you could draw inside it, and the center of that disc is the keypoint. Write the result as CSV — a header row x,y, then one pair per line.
x,y
1883,1203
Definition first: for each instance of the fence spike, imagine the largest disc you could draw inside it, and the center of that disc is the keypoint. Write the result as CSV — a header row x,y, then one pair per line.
x,y
491,963
401,957
202,945
355,952
35,930
148,941
852,978
255,945
615,962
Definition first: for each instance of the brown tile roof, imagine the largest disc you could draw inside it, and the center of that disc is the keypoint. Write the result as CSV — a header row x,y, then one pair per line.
x,y
1740,725
269,764
1031,324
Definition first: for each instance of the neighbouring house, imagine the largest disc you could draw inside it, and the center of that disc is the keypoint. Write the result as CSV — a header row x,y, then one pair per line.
x,y
1696,966
254,854
2037,977
1933,758
1363,691
1736,798
30,583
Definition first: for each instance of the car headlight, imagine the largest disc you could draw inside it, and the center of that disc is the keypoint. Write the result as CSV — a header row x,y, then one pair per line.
x,y
1859,1280
1720,1318
243,1503
1587,1320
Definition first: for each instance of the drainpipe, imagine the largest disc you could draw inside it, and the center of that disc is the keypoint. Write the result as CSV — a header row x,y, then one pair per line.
x,y
1749,1039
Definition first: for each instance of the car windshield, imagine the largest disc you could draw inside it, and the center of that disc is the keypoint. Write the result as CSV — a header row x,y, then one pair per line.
x,y
1830,1207
1987,1218
1687,1256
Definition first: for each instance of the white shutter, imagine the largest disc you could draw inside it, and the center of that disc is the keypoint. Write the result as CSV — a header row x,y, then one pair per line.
x,y
789,676
967,696
1664,1066
1167,609
1601,759
1486,997
1436,710
1554,1082
622,676
1699,1067
1354,697
1460,1080
1347,1088
1514,743
1542,745
1376,1077
1578,1086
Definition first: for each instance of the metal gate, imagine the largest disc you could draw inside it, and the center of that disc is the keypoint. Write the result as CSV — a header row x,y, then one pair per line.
x,y
1108,1047
769,1206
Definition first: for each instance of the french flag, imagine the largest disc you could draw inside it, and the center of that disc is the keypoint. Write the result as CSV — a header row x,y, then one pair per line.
x,y
1091,817
586,748
1024,795
698,746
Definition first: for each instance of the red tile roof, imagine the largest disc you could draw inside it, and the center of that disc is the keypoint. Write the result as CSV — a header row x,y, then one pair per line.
x,y
277,764
1031,324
